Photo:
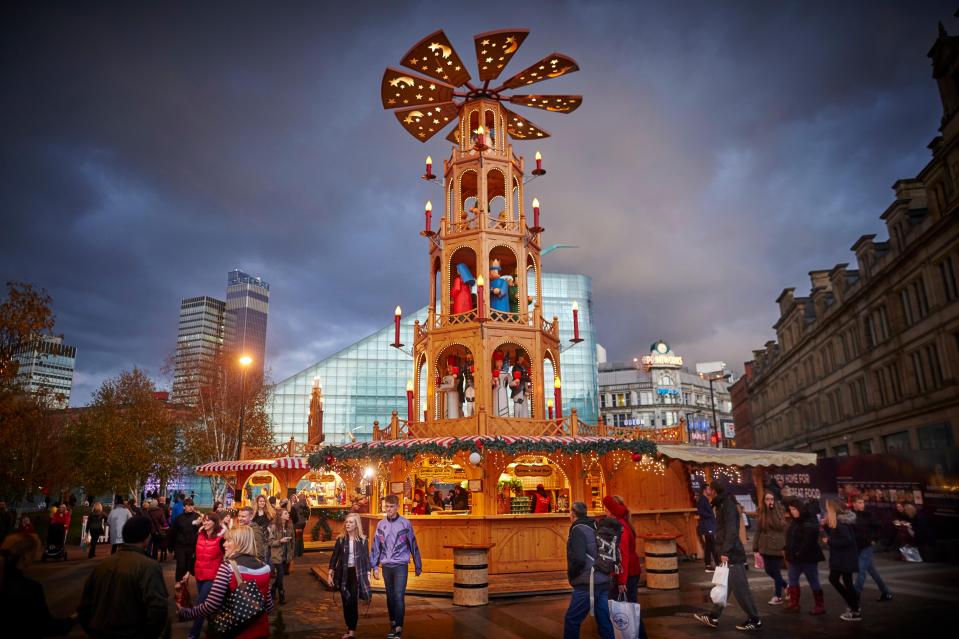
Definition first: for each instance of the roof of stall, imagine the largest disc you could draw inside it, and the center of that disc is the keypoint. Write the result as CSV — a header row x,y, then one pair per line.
x,y
736,456
226,467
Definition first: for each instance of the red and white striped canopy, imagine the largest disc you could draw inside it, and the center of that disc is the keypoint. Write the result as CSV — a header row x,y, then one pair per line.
x,y
226,467
509,439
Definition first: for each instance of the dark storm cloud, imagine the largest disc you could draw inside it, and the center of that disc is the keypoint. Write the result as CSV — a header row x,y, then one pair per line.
x,y
723,150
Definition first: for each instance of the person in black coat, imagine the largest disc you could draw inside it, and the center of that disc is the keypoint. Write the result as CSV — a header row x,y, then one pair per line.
x,y
184,530
23,606
350,570
803,554
868,531
843,555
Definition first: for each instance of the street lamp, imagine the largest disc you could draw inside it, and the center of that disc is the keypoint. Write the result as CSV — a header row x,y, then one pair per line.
x,y
245,361
715,377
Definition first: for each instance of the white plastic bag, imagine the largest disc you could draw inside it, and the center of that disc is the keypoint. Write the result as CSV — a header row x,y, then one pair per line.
x,y
720,585
625,618
910,553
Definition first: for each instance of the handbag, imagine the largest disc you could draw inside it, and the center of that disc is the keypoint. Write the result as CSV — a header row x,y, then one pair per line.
x,y
240,607
721,581
760,562
624,616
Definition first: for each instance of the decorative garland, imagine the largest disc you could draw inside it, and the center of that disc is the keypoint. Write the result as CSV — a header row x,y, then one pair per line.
x,y
409,450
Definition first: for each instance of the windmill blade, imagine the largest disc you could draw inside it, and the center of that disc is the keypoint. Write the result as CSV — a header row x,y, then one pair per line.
x,y
425,122
552,66
434,56
520,128
556,103
402,89
494,50
454,135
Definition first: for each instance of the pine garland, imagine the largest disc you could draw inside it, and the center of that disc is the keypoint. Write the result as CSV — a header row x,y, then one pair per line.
x,y
408,451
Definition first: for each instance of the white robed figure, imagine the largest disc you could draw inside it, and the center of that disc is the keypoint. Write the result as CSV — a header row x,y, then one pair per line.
x,y
450,395
520,405
501,400
470,395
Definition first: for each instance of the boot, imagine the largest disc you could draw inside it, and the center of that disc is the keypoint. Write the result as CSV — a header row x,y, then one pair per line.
x,y
282,596
820,607
273,590
792,599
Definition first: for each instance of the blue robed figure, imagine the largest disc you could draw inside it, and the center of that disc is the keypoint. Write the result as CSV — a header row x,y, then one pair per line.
x,y
498,289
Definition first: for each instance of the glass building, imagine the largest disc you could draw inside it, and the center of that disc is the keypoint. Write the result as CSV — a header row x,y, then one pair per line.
x,y
366,381
46,366
247,308
199,342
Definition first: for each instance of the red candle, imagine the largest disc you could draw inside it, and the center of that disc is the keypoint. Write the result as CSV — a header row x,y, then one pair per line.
x,y
409,400
536,212
549,407
480,137
429,214
558,397
539,162
429,166
480,298
396,324
575,321
495,373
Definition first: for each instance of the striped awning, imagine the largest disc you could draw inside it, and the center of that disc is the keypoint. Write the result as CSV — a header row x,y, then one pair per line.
x,y
228,467
509,439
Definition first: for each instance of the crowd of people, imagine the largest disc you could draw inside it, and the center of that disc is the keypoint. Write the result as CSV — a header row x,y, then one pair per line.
x,y
791,533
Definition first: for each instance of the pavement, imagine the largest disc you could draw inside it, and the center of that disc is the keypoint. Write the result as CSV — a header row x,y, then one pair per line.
x,y
925,595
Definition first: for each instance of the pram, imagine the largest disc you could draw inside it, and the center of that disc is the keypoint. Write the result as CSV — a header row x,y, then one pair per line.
x,y
56,543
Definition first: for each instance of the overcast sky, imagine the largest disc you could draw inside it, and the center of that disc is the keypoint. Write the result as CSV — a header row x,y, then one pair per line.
x,y
723,150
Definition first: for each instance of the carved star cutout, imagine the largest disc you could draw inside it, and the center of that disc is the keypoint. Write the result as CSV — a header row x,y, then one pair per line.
x,y
412,60
457,68
483,52
435,121
391,101
419,96
484,42
489,59
432,87
439,69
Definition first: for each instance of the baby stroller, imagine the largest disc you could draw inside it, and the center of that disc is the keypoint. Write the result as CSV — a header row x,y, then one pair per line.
x,y
56,543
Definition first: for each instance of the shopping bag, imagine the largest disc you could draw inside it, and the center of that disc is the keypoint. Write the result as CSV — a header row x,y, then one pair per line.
x,y
720,583
910,553
760,562
625,618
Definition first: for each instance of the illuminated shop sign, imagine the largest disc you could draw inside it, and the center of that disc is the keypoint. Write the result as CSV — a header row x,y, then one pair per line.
x,y
662,361
667,391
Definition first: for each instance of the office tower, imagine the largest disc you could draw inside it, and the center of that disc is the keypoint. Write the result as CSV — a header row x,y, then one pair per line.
x,y
199,343
46,366
247,307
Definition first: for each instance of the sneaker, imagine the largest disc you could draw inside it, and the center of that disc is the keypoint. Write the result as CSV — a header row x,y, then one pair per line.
x,y
886,596
750,624
775,601
851,616
710,569
707,620
391,634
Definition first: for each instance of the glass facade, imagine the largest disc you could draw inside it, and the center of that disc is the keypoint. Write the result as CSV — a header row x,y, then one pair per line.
x,y
47,366
367,380
199,342
247,309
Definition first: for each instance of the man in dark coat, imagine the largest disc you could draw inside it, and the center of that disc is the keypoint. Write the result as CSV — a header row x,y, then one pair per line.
x,y
867,529
581,552
125,596
184,530
706,528
732,553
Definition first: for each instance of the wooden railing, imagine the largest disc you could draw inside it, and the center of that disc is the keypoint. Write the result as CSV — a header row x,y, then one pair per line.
x,y
291,448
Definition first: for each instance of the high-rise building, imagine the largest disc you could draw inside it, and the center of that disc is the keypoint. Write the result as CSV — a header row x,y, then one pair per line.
x,y
199,343
46,366
247,308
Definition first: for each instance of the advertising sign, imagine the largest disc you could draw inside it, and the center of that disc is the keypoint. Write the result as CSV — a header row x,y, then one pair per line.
x,y
729,428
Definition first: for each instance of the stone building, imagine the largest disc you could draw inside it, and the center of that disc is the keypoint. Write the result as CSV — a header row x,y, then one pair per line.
x,y
868,361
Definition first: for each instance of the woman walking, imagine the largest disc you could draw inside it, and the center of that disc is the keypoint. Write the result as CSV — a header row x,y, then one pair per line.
x,y
804,554
95,527
209,557
281,538
770,542
843,555
263,516
350,570
240,559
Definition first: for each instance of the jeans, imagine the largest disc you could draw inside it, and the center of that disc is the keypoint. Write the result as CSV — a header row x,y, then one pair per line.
x,y
810,570
278,572
866,565
202,590
774,567
709,549
579,608
844,588
351,608
738,586
632,590
394,578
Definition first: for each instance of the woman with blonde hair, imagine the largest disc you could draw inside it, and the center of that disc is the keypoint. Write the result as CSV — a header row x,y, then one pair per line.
x,y
95,521
22,596
843,555
350,570
240,562
770,543
263,515
281,550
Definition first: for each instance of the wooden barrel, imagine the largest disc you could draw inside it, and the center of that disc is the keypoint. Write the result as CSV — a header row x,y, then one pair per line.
x,y
662,564
470,576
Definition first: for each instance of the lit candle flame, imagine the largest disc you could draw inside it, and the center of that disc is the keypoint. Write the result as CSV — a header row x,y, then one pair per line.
x,y
539,156
429,205
480,130
480,281
409,386
398,311
535,202
557,383
429,159
575,306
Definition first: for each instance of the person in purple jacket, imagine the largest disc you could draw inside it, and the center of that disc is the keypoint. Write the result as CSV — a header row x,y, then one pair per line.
x,y
393,544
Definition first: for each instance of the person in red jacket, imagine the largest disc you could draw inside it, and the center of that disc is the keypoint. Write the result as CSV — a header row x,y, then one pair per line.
x,y
626,581
240,556
209,556
541,500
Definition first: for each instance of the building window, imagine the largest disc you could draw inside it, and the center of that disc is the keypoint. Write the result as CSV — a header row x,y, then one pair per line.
x,y
864,447
841,451
896,442
920,373
935,436
935,369
820,453
619,400
906,300
922,301
602,400
947,273
880,388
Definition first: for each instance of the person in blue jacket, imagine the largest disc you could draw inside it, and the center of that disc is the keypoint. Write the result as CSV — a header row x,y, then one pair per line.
x,y
706,529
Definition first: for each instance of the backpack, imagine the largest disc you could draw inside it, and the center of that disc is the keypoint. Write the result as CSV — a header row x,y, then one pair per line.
x,y
608,557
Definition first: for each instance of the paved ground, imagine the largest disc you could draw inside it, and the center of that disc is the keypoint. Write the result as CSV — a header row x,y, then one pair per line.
x,y
925,597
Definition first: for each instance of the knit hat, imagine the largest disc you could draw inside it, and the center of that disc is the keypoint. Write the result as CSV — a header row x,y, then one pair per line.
x,y
614,506
137,529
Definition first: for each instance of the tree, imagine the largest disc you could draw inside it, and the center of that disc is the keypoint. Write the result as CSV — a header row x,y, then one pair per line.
x,y
25,315
213,433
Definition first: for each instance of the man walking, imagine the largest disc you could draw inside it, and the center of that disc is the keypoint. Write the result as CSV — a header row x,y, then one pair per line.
x,y
125,597
117,518
732,553
590,586
393,545
867,532
185,529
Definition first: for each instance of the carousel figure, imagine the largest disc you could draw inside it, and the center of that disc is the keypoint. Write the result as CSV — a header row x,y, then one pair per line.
x,y
500,385
518,386
498,289
461,293
450,392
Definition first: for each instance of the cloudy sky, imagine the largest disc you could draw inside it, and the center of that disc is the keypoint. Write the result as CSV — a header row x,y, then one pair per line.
x,y
723,150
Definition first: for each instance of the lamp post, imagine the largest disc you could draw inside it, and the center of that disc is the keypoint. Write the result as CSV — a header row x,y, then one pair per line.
x,y
715,377
245,362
